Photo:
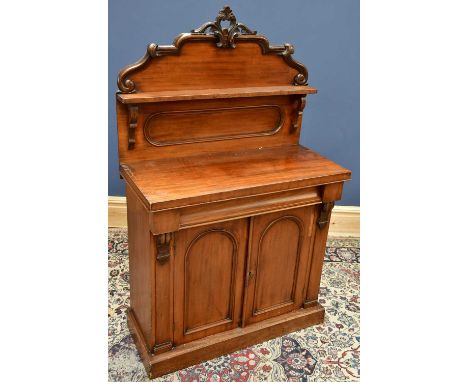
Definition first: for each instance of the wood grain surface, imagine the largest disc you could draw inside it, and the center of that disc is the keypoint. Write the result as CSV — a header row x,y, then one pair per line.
x,y
167,183
197,94
228,215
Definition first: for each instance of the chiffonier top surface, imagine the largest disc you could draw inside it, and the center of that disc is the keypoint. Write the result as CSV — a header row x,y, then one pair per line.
x,y
173,182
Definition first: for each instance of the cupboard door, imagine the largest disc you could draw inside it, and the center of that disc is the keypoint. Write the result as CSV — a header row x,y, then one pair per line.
x,y
279,257
208,279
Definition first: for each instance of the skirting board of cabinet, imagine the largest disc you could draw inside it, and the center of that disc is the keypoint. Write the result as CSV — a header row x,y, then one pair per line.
x,y
216,345
344,219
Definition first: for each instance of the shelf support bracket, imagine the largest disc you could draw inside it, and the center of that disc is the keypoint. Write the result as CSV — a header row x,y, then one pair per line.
x,y
132,124
325,213
163,247
301,103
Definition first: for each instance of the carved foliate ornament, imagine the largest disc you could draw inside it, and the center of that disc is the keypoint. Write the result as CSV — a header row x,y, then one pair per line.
x,y
225,36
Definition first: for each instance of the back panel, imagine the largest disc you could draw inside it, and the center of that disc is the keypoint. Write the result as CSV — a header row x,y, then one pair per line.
x,y
171,129
210,57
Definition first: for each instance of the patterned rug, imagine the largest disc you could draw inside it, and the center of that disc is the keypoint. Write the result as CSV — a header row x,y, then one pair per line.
x,y
328,352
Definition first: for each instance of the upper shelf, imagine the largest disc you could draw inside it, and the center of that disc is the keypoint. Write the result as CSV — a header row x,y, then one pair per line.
x,y
187,95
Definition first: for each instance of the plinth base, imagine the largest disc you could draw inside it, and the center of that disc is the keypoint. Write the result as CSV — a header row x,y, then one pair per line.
x,y
219,344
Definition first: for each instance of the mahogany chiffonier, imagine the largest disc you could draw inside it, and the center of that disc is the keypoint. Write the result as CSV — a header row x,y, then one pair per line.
x,y
227,214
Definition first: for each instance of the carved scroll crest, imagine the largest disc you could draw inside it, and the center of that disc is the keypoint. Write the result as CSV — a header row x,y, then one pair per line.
x,y
225,36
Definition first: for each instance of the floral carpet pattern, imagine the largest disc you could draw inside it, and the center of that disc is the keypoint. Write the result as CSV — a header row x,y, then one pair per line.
x,y
320,353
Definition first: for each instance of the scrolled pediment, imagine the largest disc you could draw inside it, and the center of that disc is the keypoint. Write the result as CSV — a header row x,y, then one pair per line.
x,y
207,39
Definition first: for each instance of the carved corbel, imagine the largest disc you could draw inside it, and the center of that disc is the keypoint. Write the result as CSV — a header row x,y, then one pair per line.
x,y
325,213
132,124
163,247
301,103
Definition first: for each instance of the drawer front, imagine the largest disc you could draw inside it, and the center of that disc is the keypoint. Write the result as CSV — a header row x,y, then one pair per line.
x,y
216,212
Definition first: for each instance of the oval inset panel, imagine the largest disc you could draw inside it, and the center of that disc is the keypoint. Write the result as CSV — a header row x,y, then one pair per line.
x,y
209,280
277,264
191,126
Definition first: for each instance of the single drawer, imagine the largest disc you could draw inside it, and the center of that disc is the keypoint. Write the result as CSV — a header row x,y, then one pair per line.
x,y
193,216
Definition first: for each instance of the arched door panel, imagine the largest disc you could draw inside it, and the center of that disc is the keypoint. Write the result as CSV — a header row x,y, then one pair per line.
x,y
209,270
279,256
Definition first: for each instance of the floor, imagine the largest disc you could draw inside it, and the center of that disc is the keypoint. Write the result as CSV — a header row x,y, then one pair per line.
x,y
327,352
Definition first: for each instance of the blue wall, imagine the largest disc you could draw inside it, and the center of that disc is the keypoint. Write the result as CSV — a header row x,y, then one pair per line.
x,y
325,34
